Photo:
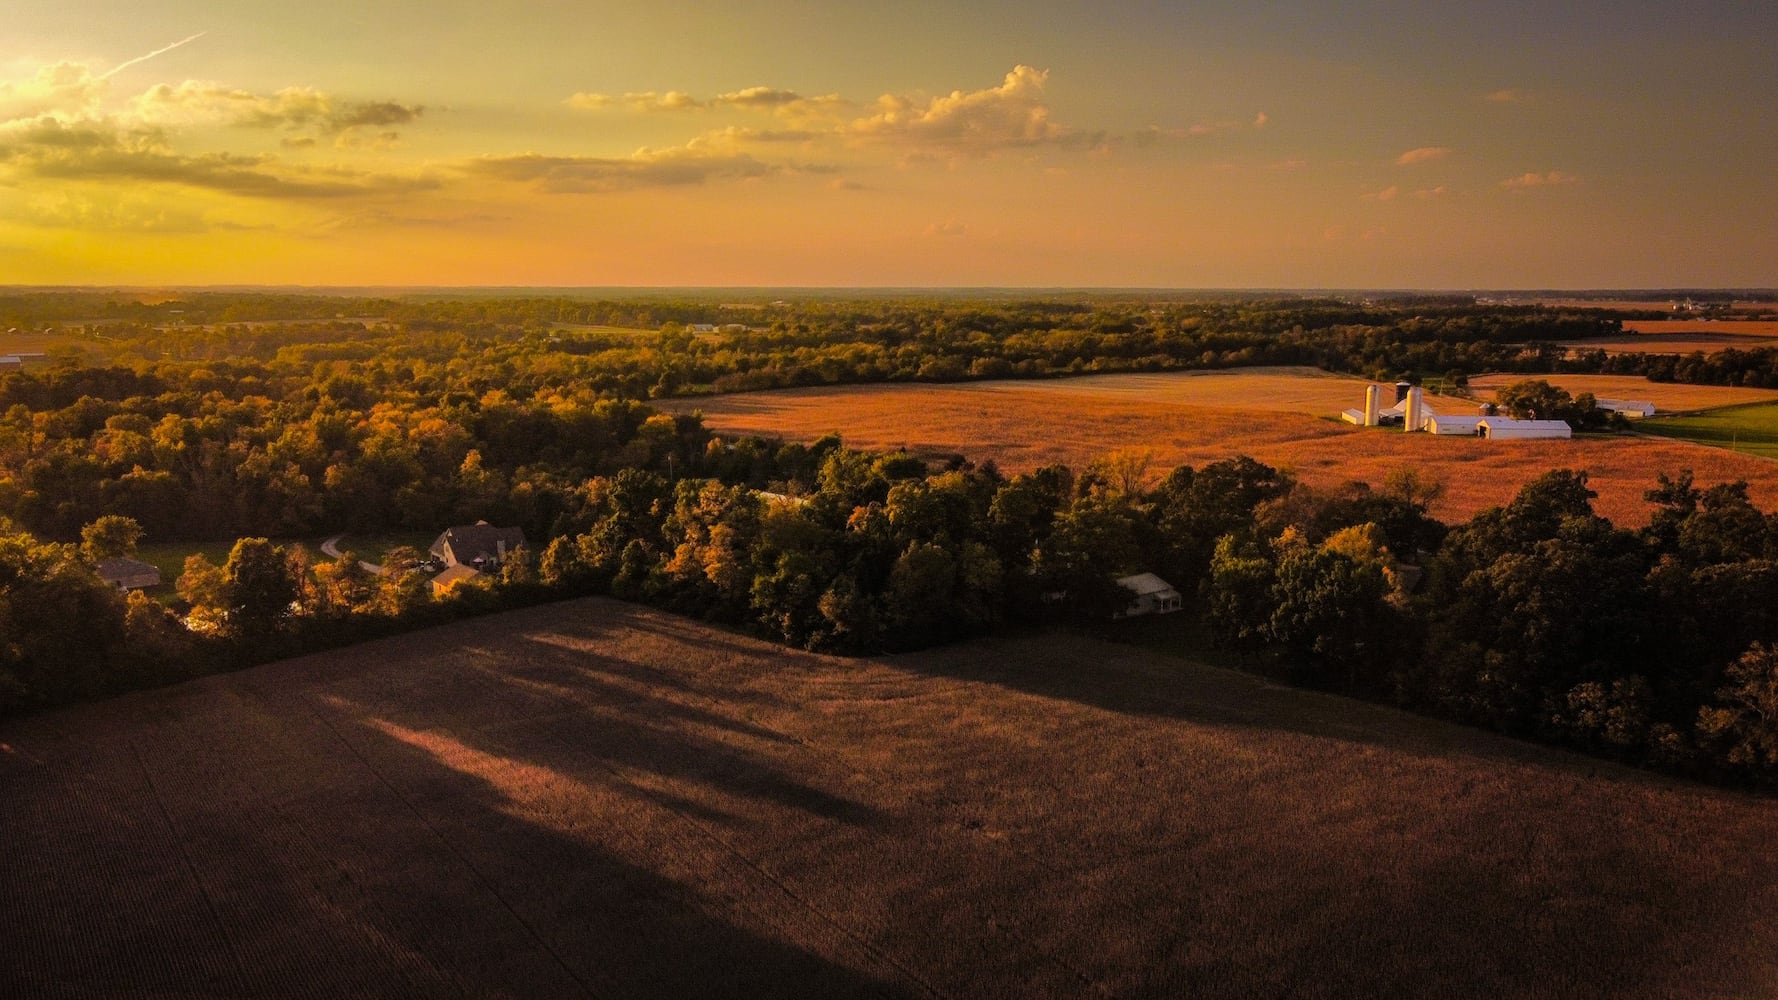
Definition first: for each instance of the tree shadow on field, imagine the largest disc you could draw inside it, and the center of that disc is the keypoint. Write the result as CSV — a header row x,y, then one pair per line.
x,y
1386,854
277,843
635,901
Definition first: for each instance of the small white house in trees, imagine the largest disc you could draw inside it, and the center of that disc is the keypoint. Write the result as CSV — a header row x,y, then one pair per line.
x,y
1149,595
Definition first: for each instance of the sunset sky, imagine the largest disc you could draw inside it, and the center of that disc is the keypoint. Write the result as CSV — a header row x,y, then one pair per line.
x,y
780,142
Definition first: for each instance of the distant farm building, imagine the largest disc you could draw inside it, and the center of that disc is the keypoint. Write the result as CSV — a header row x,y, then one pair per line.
x,y
129,574
1411,413
1506,428
479,545
20,359
1440,424
1150,595
1627,407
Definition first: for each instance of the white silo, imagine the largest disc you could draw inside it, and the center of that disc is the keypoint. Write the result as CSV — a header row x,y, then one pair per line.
x,y
1372,399
1412,418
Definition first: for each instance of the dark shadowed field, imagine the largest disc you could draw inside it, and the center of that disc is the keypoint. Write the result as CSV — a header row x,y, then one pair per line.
x,y
595,799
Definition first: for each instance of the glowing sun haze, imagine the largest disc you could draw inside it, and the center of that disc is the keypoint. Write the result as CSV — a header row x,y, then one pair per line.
x,y
821,143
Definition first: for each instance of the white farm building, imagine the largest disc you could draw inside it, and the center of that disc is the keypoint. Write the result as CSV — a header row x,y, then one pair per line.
x,y
1627,407
1441,424
1506,428
1412,414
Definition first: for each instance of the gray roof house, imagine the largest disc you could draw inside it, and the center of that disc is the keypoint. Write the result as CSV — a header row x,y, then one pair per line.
x,y
480,545
129,574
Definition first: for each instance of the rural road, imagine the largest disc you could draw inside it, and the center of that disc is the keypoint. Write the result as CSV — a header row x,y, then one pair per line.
x,y
331,548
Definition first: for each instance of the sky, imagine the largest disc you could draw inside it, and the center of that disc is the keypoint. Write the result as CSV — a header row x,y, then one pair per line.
x,y
1046,143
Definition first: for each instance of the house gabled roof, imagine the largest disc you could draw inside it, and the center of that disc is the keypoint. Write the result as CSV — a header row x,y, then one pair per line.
x,y
128,572
1143,584
481,540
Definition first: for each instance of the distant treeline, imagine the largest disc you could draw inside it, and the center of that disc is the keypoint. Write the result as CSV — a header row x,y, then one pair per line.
x,y
658,347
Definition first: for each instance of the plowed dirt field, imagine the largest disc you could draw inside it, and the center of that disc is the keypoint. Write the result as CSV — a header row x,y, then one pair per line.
x,y
589,799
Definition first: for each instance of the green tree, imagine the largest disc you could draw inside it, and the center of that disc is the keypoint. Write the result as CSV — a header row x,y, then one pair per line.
x,y
1238,590
1534,399
259,587
1741,728
110,537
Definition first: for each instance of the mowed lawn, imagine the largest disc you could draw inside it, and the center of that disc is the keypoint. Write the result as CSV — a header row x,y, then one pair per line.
x,y
1752,429
595,799
1283,417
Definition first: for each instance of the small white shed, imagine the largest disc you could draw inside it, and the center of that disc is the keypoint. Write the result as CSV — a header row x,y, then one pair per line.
x,y
1150,595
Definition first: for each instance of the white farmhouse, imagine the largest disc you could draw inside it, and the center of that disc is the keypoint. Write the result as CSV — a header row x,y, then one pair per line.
x,y
1150,595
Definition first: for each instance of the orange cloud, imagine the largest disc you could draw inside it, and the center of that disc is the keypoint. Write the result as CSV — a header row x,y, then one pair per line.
x,y
1424,154
99,151
60,88
1531,180
647,100
680,166
1012,114
295,109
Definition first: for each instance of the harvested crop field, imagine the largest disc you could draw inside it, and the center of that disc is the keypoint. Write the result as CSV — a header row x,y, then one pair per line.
x,y
1023,425
1728,327
594,799
1668,397
1273,389
1684,336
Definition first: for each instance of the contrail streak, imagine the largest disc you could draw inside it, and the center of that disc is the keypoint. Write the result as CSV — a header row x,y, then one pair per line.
x,y
120,67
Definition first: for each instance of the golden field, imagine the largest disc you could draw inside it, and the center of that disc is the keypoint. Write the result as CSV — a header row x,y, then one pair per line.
x,y
1668,397
591,798
1684,336
1639,305
1277,416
